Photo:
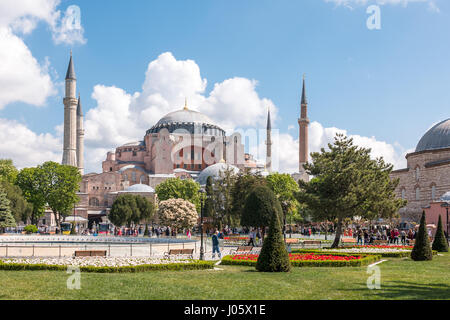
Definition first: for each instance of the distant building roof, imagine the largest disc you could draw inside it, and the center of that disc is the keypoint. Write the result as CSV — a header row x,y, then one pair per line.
x,y
141,188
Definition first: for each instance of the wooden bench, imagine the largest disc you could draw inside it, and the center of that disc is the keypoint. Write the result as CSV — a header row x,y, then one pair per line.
x,y
350,241
180,252
311,243
243,250
291,241
410,242
90,253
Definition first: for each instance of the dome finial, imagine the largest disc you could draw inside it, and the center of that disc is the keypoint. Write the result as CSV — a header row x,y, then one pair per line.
x,y
185,104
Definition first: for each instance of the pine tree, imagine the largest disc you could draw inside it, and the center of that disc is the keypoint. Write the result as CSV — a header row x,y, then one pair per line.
x,y
273,256
6,218
146,231
440,243
422,249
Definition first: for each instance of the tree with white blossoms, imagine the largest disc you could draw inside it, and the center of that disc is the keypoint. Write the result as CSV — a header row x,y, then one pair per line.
x,y
177,213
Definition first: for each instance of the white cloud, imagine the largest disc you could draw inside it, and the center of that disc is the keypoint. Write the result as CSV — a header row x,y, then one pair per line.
x,y
25,147
286,147
22,77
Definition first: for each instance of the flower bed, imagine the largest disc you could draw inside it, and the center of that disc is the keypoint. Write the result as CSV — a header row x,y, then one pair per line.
x,y
383,252
307,259
383,247
100,264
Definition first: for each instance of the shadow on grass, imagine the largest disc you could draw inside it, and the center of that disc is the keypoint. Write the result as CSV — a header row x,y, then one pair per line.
x,y
409,290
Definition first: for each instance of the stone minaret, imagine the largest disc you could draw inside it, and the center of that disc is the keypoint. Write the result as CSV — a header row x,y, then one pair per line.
x,y
303,123
80,137
269,143
70,117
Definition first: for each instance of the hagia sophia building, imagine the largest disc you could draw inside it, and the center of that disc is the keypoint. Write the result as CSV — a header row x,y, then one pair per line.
x,y
189,145
184,143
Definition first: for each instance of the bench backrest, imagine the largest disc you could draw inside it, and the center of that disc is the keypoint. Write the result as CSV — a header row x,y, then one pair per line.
x,y
312,242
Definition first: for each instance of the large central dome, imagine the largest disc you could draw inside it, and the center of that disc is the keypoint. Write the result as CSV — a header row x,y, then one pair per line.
x,y
190,120
438,137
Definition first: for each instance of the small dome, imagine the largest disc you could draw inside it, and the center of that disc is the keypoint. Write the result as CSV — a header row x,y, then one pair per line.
x,y
139,188
446,197
438,137
214,171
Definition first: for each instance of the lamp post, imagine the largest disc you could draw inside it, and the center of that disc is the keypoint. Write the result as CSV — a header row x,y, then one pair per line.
x,y
202,252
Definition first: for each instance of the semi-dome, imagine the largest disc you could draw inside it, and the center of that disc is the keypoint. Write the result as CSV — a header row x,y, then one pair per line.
x,y
139,188
446,197
438,137
190,120
214,171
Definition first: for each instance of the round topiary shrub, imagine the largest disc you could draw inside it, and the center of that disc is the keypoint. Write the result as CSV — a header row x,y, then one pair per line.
x,y
260,206
440,243
422,248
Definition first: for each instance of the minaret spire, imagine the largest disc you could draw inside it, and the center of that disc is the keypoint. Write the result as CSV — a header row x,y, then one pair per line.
x,y
80,137
303,123
70,117
268,143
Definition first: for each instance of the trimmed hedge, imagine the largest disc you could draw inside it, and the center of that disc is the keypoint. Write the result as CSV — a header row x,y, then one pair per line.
x,y
401,254
365,260
194,265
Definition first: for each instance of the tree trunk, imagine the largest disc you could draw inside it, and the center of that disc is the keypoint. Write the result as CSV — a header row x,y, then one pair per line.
x,y
337,238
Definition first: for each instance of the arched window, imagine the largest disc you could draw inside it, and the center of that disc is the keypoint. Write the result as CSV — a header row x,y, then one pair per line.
x,y
417,193
433,192
417,173
133,176
142,179
125,177
403,193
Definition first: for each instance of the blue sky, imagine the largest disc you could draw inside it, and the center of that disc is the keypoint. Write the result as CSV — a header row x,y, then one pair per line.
x,y
391,84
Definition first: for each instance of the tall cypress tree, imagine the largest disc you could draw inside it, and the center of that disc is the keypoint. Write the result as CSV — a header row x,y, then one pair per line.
x,y
209,205
440,244
6,218
422,248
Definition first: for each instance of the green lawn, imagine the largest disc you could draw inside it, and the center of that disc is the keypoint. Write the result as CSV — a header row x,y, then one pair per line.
x,y
400,279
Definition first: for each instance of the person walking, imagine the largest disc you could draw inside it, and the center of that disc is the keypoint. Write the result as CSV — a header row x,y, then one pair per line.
x,y
251,236
215,244
403,235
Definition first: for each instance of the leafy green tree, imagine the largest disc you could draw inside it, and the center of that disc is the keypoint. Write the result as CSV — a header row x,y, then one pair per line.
x,y
440,243
121,210
273,256
244,183
260,205
20,208
176,188
8,171
6,218
348,183
422,248
222,200
146,209
31,228
285,189
31,182
61,184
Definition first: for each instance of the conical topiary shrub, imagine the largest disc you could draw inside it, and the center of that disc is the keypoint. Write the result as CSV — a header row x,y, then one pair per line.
x,y
146,231
440,244
273,256
422,249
